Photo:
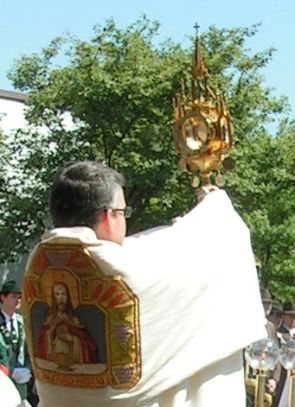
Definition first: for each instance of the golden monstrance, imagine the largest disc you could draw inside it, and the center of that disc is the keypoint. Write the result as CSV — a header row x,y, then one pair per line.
x,y
202,127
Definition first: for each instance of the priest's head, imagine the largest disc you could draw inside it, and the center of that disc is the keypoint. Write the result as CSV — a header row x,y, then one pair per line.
x,y
88,193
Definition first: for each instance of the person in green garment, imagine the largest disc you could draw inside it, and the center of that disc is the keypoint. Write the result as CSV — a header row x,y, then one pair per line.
x,y
13,356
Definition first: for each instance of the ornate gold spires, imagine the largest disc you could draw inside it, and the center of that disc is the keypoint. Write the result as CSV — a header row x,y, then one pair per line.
x,y
202,127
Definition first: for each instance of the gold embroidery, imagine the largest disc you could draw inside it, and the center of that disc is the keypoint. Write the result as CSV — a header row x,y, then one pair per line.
x,y
82,326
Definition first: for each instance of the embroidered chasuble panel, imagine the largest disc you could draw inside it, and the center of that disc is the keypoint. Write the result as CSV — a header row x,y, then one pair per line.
x,y
82,326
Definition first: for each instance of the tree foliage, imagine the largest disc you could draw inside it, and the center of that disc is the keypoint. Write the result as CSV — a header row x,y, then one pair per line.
x,y
112,100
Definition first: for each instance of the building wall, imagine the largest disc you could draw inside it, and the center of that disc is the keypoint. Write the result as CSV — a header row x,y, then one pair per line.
x,y
12,105
12,108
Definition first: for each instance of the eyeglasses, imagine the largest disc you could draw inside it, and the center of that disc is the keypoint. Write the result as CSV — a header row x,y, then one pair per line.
x,y
126,211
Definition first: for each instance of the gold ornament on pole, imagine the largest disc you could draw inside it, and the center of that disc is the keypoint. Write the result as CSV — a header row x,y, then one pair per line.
x,y
202,126
292,388
260,387
262,356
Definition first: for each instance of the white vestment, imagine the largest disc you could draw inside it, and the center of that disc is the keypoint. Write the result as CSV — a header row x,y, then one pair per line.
x,y
9,395
199,307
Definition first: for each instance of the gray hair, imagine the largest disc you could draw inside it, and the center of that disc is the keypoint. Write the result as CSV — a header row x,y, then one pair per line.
x,y
81,192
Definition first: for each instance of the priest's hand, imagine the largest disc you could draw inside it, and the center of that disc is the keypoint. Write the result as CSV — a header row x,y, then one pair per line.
x,y
205,190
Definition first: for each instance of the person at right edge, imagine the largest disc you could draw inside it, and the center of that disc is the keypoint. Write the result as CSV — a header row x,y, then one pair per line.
x,y
193,279
285,333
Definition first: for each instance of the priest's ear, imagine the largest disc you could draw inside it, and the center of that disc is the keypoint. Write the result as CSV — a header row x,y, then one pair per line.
x,y
105,225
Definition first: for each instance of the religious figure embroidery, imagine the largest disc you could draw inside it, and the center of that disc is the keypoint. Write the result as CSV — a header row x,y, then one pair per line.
x,y
63,339
82,326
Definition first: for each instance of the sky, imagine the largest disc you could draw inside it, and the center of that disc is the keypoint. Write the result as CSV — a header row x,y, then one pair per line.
x,y
26,26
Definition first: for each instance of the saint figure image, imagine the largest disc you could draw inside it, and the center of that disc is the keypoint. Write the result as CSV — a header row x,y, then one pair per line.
x,y
63,339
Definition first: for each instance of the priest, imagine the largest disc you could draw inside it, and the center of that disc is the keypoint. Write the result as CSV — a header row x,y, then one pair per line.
x,y
194,281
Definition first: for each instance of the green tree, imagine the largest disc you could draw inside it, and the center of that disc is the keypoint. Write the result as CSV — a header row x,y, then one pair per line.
x,y
262,184
275,230
118,88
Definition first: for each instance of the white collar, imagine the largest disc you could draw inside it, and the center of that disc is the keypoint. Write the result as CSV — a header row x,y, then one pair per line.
x,y
7,316
78,234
